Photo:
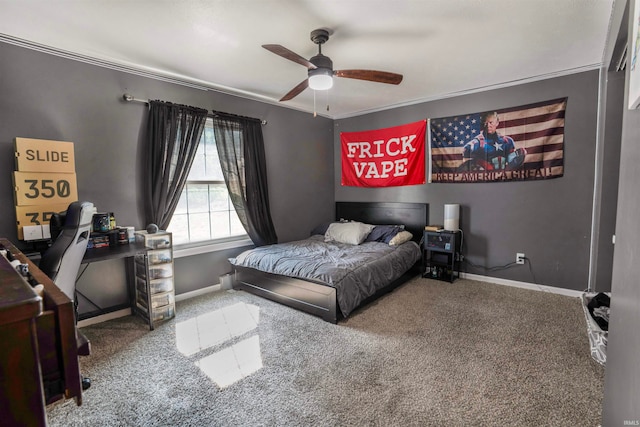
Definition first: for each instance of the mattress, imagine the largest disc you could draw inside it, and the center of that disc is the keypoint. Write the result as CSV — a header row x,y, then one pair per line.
x,y
355,271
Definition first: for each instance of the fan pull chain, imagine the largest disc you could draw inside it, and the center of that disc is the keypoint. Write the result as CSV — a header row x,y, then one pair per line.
x,y
314,104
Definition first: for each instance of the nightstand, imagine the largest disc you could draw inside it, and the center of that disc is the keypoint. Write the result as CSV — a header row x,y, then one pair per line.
x,y
441,255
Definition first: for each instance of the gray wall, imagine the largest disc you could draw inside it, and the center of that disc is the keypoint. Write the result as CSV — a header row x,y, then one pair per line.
x,y
48,97
622,379
549,221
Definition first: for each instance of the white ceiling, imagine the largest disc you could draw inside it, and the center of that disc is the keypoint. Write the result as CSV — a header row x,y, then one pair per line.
x,y
442,47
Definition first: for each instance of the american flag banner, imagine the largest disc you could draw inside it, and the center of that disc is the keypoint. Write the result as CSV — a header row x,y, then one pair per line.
x,y
513,144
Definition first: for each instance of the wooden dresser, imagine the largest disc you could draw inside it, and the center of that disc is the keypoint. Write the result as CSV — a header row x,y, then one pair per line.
x,y
39,344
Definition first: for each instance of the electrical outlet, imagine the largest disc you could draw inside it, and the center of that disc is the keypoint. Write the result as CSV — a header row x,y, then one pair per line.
x,y
520,258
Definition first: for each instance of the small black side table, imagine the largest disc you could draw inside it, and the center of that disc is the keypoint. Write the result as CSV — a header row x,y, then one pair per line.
x,y
441,255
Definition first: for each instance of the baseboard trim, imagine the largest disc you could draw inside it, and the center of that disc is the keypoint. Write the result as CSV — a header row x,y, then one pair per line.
x,y
104,317
524,285
198,292
127,311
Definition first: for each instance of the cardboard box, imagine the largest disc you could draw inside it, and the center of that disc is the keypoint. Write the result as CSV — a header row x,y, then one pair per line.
x,y
37,215
41,155
38,188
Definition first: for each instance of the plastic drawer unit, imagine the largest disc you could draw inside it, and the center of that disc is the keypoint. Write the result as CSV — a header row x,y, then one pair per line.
x,y
154,291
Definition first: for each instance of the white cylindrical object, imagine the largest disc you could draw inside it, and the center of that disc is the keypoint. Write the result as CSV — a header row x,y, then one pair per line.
x,y
226,281
131,236
452,217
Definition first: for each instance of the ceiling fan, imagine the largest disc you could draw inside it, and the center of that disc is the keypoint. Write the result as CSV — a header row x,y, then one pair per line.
x,y
320,68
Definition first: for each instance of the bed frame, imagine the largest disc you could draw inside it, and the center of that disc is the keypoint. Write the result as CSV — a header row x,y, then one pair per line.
x,y
320,300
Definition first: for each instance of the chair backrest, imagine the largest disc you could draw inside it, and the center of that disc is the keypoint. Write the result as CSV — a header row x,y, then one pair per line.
x,y
61,261
56,224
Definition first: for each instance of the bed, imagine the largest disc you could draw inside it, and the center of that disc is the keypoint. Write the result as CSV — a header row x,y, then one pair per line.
x,y
334,298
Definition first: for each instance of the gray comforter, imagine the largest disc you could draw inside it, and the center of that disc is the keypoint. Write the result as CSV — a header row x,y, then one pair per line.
x,y
356,272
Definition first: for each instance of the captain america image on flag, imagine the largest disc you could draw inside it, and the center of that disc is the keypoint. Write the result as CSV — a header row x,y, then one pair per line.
x,y
518,143
489,150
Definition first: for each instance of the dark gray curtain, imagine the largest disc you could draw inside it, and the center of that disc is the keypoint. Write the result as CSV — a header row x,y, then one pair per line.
x,y
173,133
241,151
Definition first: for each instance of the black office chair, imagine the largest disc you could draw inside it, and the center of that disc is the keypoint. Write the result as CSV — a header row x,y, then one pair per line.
x,y
61,262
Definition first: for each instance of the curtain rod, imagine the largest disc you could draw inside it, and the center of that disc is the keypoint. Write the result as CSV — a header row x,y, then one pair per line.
x,y
130,98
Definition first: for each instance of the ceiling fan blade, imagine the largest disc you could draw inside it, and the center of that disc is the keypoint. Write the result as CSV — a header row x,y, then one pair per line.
x,y
371,75
296,90
288,54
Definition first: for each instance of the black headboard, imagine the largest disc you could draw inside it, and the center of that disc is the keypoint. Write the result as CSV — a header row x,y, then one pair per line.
x,y
414,216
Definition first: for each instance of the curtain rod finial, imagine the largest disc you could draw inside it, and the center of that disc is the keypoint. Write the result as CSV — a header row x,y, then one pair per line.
x,y
127,97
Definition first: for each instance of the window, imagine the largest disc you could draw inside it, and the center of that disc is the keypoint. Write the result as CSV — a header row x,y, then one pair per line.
x,y
205,211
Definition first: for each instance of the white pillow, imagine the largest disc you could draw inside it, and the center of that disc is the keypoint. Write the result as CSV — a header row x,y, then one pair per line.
x,y
352,233
400,238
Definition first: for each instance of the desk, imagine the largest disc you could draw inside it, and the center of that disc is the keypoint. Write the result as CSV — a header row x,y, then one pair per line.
x,y
112,252
93,255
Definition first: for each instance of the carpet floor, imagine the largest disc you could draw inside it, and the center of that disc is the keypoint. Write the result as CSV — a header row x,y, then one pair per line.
x,y
429,353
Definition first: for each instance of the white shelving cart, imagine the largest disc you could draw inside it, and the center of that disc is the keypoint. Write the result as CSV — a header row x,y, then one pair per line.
x,y
154,291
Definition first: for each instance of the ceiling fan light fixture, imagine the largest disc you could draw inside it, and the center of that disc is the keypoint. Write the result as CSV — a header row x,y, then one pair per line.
x,y
320,79
320,68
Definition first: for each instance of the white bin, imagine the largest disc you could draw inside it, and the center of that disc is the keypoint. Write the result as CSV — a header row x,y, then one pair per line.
x,y
226,281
